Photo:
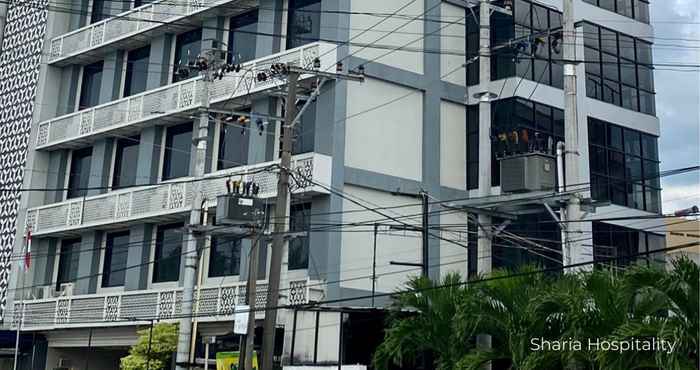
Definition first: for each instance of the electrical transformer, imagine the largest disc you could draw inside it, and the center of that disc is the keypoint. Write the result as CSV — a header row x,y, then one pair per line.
x,y
528,172
239,210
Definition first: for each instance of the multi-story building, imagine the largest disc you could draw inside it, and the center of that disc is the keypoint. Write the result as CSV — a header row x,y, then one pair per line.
x,y
97,116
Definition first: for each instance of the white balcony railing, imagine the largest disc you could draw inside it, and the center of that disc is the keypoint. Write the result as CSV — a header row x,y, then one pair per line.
x,y
169,100
124,30
137,204
216,303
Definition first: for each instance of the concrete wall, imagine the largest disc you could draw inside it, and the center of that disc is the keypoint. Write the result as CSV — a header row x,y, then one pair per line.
x,y
392,33
386,139
356,251
453,45
453,145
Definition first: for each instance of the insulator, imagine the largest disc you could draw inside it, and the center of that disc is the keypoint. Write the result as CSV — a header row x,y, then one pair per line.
x,y
317,63
339,67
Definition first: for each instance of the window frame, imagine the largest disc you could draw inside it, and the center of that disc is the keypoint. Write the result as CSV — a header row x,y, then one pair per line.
x,y
154,252
165,149
103,262
56,284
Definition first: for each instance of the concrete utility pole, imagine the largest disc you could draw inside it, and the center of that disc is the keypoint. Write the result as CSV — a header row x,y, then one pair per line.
x,y
573,250
281,220
484,247
251,290
484,251
185,328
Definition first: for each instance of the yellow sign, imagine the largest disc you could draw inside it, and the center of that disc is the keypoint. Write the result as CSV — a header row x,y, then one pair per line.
x,y
229,361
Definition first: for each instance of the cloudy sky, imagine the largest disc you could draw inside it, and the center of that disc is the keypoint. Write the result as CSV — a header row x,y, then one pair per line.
x,y
677,26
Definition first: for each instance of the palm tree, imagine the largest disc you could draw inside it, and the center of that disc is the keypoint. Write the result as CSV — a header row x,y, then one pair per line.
x,y
506,308
664,304
424,320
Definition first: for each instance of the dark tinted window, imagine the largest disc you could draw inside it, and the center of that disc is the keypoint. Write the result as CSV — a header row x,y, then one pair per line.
x,y
98,11
304,132
299,247
178,145
166,264
125,161
136,71
233,145
187,46
242,37
90,87
304,24
79,175
68,262
116,253
224,257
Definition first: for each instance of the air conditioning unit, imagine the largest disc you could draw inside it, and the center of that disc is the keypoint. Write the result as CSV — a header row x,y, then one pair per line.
x,y
66,290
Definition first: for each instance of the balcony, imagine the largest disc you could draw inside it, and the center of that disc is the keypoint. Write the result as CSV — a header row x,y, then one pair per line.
x,y
216,303
176,102
167,201
135,27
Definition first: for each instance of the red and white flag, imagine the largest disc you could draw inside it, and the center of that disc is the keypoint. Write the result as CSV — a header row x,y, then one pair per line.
x,y
28,250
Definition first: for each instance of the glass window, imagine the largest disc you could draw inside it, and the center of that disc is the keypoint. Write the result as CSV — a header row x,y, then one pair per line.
x,y
641,11
624,7
178,145
136,71
600,188
646,102
590,36
79,175
524,114
592,58
114,266
299,220
607,4
242,37
305,131
608,41
166,264
233,146
138,3
90,86
543,118
125,162
649,147
616,165
187,46
633,142
615,137
629,98
304,24
651,173
596,132
643,52
98,11
652,198
598,160
68,262
646,78
626,47
628,73
611,92
225,257
594,86
633,168
610,64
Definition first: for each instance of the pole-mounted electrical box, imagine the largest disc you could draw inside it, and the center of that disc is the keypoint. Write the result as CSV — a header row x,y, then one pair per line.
x,y
239,210
528,172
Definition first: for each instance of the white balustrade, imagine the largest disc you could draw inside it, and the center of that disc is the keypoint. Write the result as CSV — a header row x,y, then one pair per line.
x,y
150,106
166,199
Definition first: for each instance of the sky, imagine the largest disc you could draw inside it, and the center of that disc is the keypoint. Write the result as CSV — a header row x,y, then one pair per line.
x,y
678,98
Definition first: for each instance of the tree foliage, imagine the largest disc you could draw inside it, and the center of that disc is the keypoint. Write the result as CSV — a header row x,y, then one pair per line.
x,y
513,307
163,344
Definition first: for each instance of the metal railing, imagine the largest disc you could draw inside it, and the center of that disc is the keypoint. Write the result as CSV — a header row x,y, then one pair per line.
x,y
216,303
176,98
150,18
152,201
